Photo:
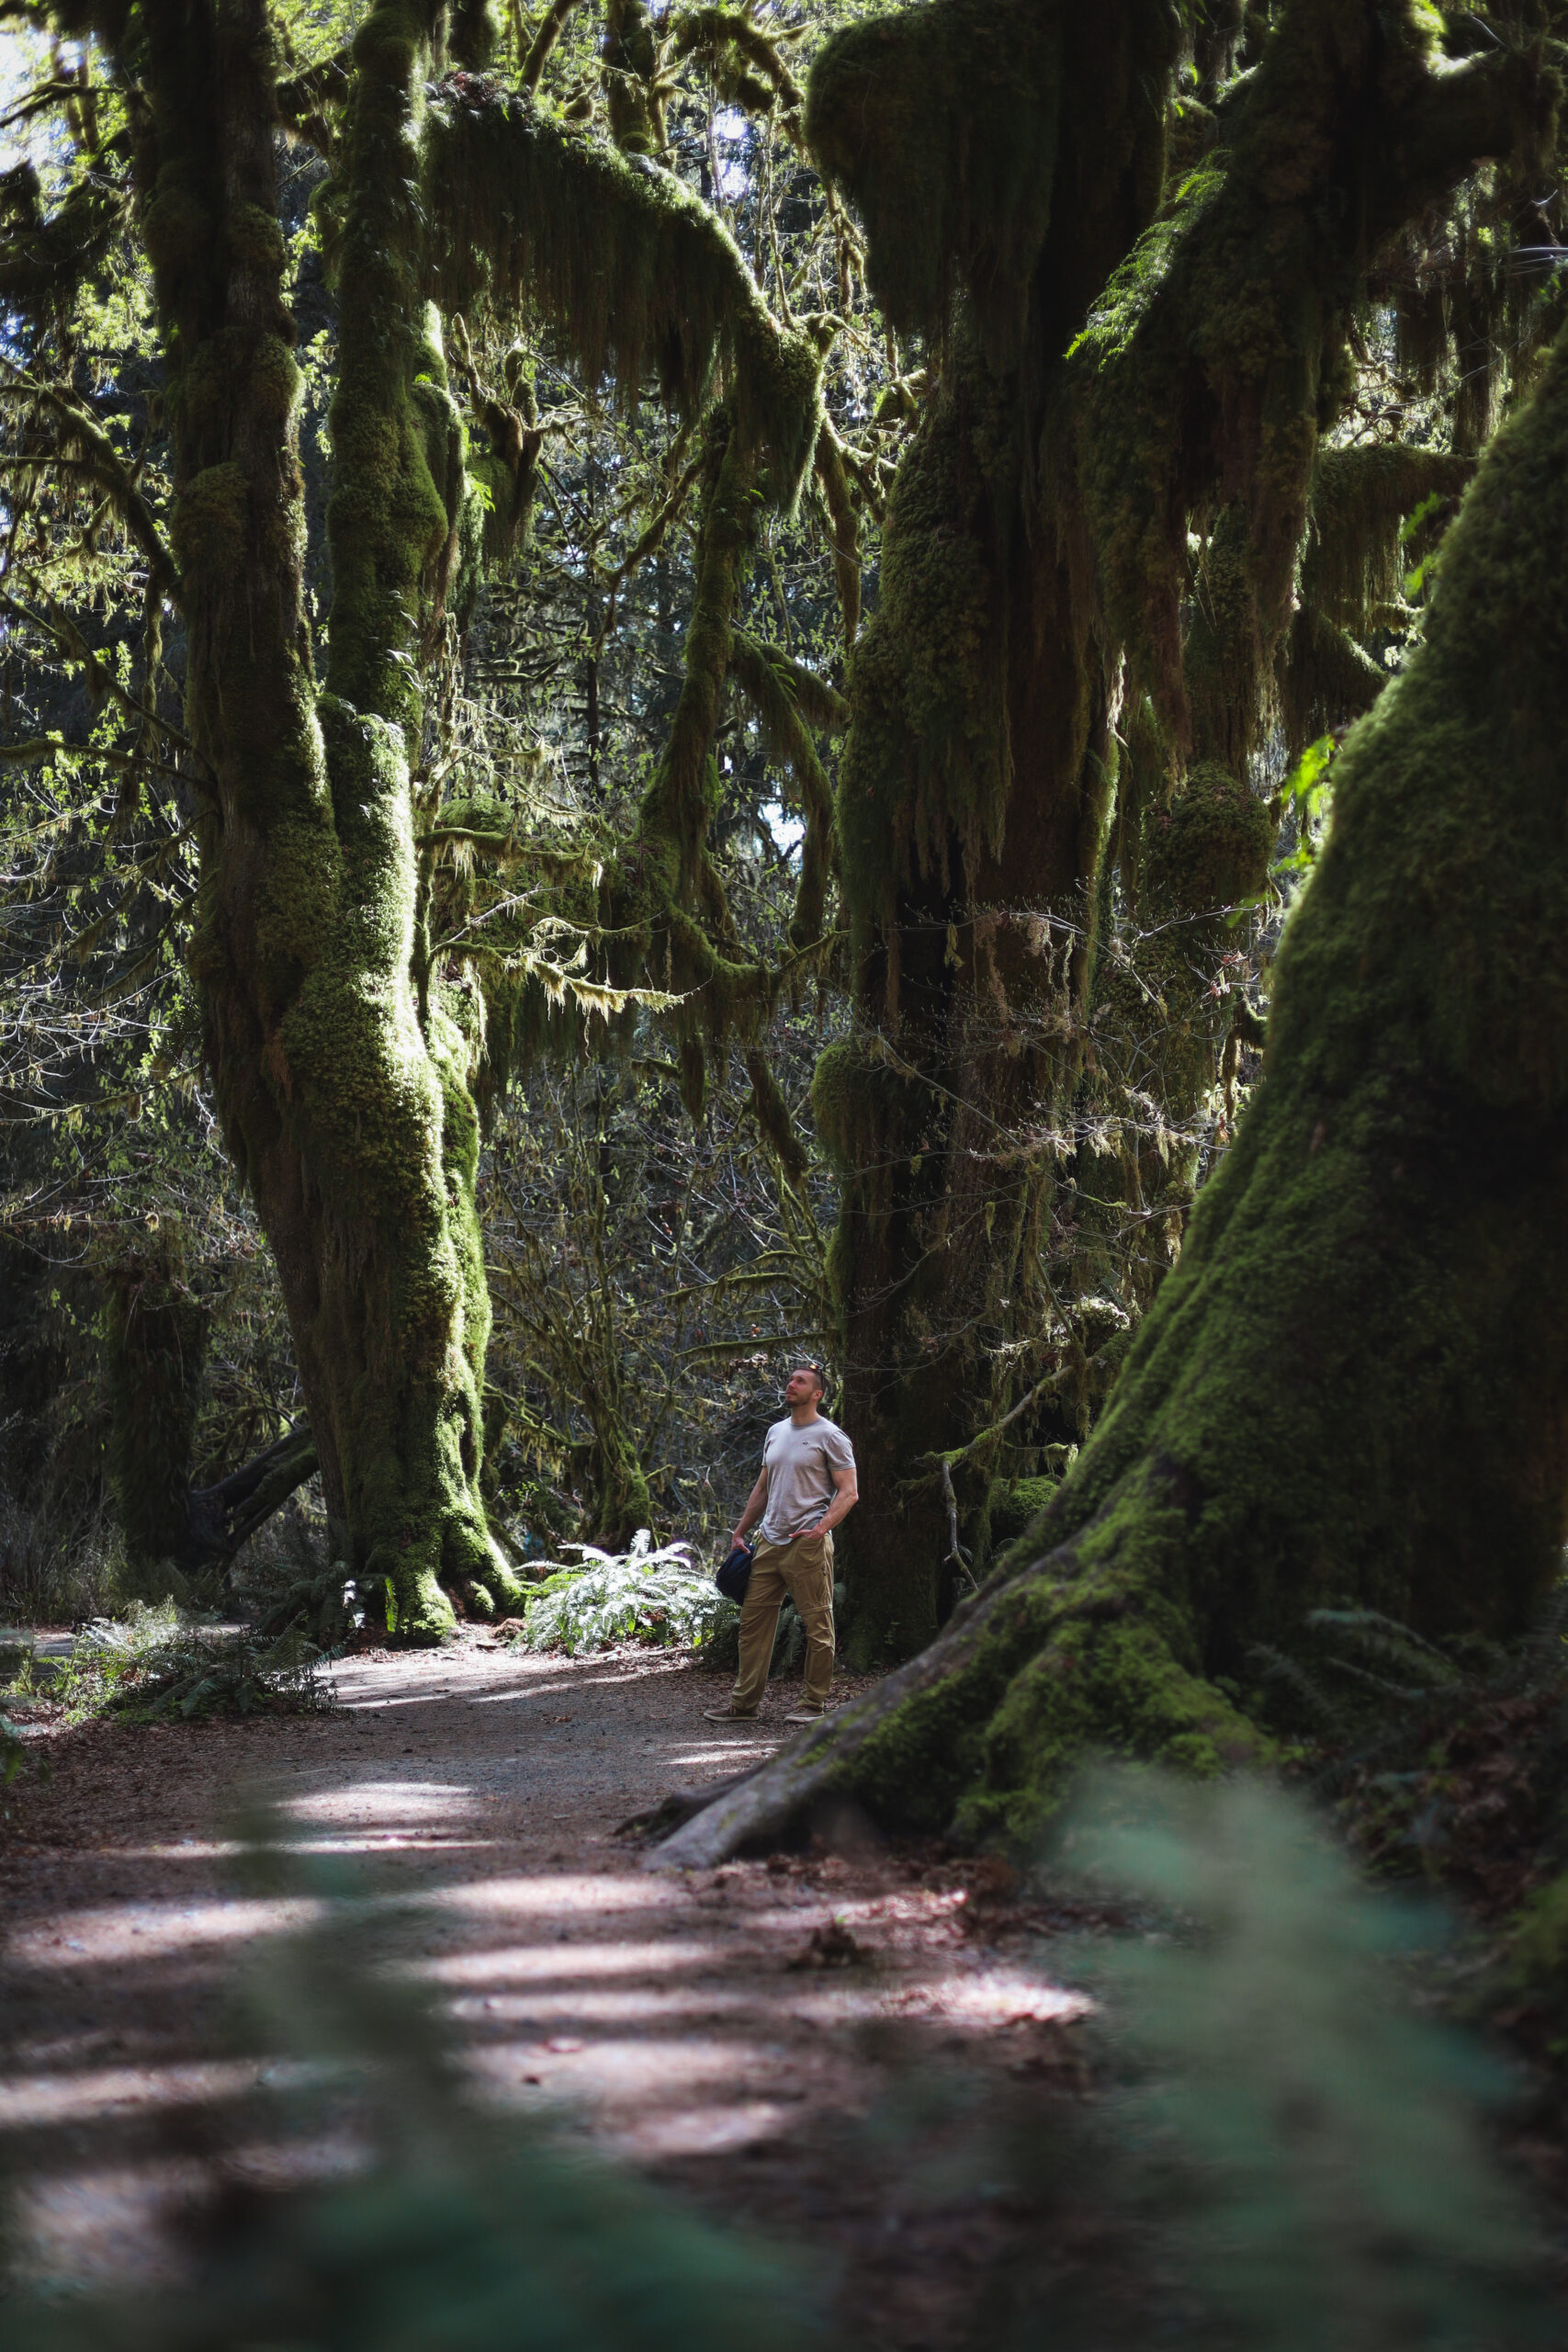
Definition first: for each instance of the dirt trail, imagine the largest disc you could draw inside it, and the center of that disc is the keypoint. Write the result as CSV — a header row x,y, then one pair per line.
x,y
737,2033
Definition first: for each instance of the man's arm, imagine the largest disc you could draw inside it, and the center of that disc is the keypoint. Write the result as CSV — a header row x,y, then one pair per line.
x,y
846,1494
756,1504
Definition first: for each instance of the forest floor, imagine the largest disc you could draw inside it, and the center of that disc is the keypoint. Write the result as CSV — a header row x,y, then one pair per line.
x,y
815,2046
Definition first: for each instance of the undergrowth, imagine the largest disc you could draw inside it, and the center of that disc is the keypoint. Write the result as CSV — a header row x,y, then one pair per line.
x,y
658,1597
50,1577
1294,2156
1445,1762
159,1666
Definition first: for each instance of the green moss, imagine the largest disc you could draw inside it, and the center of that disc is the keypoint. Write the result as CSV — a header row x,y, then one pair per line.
x,y
630,269
1086,1653
1015,1505
211,522
1210,847
253,239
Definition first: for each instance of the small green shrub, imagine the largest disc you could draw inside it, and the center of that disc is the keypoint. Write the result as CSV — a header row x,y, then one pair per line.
x,y
160,1666
643,1595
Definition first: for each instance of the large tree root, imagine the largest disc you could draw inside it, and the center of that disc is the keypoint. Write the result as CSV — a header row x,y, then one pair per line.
x,y
976,1736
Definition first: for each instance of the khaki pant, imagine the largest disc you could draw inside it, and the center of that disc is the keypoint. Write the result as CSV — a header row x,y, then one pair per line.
x,y
805,1570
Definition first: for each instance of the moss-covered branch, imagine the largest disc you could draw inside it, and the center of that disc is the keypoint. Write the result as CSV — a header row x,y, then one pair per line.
x,y
82,439
633,272
1212,361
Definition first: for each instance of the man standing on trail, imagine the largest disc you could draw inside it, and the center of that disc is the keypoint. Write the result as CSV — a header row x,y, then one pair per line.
x,y
807,1486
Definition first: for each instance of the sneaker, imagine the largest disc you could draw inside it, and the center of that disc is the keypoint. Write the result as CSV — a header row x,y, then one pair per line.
x,y
806,1715
728,1716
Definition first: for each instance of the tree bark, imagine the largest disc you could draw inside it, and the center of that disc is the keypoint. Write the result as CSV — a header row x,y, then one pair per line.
x,y
975,791
1036,566
154,1329
1354,1386
339,1063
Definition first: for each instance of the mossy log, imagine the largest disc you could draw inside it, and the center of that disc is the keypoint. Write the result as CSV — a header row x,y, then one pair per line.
x,y
1354,1386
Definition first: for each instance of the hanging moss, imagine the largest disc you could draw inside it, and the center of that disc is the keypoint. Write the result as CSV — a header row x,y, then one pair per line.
x,y
630,269
1143,777
1421,332
1223,657
787,698
944,123
1356,558
1323,680
1212,364
927,766
940,123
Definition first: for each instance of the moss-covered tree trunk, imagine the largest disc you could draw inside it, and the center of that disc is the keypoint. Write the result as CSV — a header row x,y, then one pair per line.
x,y
1005,156
345,1054
338,1065
1354,1386
976,785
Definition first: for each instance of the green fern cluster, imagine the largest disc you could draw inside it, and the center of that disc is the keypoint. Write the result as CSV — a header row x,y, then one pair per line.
x,y
1302,2157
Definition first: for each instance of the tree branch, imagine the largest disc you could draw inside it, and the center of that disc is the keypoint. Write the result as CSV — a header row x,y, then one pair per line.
x,y
103,461
1456,117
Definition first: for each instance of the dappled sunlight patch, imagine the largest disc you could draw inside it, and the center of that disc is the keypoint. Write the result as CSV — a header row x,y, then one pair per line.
x,y
618,2073
370,1800
142,1931
571,1961
558,1894
392,1841
34,2101
725,1750
576,2004
705,2130
998,1997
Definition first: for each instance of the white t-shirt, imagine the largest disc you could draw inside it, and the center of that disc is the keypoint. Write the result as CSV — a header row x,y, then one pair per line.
x,y
800,1464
